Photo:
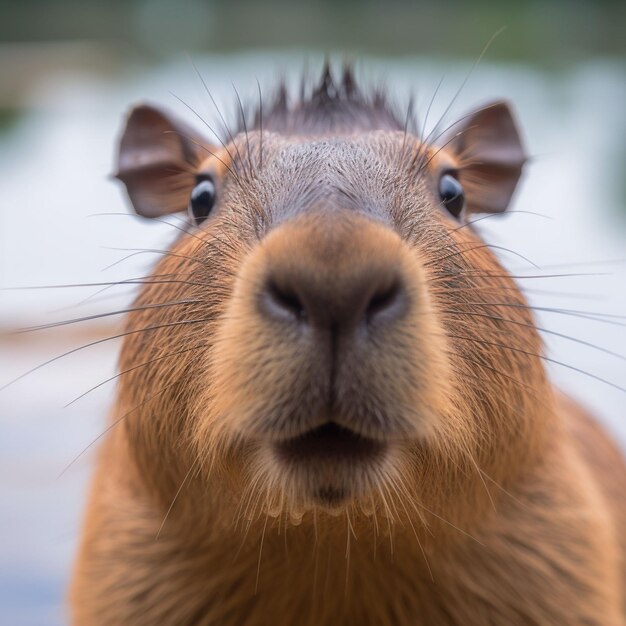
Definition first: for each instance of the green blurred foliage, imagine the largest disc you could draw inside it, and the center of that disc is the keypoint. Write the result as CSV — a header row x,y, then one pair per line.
x,y
538,31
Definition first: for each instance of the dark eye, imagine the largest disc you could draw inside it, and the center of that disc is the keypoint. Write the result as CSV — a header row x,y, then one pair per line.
x,y
451,194
202,199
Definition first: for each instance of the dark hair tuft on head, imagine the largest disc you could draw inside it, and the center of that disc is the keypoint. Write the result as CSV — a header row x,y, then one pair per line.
x,y
330,105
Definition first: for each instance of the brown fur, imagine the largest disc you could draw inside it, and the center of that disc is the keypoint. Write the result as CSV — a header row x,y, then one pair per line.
x,y
499,501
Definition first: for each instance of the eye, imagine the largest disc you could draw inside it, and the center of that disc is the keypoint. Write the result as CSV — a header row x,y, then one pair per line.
x,y
451,194
202,199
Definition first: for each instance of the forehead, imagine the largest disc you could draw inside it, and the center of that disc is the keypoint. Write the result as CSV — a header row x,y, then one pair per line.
x,y
374,172
367,171
358,156
374,149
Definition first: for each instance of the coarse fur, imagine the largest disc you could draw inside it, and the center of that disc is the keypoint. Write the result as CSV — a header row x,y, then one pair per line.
x,y
483,495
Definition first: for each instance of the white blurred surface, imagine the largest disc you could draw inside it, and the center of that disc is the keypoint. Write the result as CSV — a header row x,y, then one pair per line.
x,y
54,177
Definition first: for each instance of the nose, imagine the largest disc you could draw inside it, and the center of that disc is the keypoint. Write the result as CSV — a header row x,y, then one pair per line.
x,y
342,279
368,297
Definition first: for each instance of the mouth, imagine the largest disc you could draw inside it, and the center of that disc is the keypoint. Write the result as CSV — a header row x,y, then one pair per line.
x,y
330,443
331,464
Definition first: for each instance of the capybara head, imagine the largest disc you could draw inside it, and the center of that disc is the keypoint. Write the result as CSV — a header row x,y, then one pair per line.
x,y
327,333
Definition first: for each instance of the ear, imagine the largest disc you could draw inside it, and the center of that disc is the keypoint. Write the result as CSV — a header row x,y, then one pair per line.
x,y
157,159
490,157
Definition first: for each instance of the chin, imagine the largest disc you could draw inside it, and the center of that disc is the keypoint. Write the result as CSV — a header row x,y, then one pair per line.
x,y
328,468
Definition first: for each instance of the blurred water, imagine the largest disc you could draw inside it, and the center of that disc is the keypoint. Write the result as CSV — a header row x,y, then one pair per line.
x,y
55,165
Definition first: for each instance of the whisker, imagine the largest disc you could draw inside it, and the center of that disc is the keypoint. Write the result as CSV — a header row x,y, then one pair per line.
x,y
465,80
424,139
208,151
423,164
518,382
260,126
605,318
515,289
245,127
539,356
481,246
219,112
445,521
185,231
541,330
258,566
99,341
401,499
169,510
499,215
564,294
113,425
140,280
214,133
409,115
557,266
87,318
483,274
499,486
135,367
151,280
138,251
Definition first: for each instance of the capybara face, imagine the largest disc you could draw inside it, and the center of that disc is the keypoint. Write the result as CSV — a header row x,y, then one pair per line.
x,y
327,330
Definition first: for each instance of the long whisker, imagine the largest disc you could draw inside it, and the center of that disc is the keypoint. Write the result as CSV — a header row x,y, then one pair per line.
x,y
605,318
445,521
135,367
483,274
481,363
99,341
401,498
169,510
218,110
557,266
499,289
408,116
141,280
211,129
260,126
423,139
541,330
208,151
538,356
87,318
466,79
245,128
499,215
185,231
577,295
258,566
153,279
168,253
113,425
480,247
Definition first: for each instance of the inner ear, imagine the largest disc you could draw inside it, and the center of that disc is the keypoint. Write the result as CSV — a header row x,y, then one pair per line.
x,y
490,157
157,161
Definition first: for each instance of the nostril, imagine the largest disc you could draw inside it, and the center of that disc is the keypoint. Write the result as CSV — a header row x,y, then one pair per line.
x,y
386,301
283,302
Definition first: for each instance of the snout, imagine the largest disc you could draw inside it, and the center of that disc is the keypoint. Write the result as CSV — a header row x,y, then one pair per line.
x,y
341,291
330,354
337,298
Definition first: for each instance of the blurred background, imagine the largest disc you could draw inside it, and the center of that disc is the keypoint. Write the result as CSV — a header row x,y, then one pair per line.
x,y
70,69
